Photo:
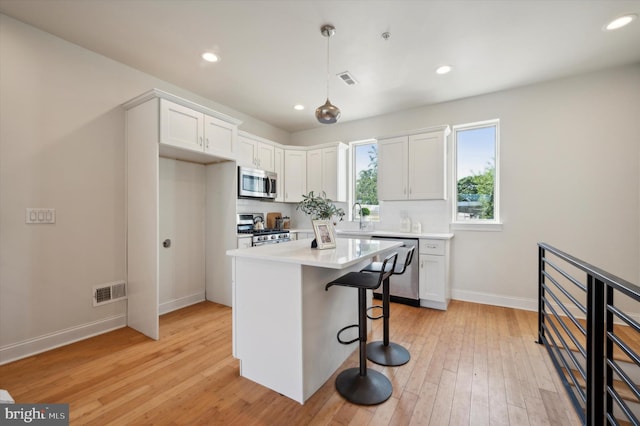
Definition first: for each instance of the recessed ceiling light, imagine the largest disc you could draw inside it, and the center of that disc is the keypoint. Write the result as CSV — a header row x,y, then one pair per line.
x,y
620,22
210,57
443,69
298,107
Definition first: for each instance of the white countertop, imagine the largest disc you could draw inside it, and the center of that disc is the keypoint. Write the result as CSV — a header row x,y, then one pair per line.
x,y
348,252
356,233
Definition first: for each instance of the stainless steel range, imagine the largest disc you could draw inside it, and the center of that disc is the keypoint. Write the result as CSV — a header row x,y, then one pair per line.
x,y
253,223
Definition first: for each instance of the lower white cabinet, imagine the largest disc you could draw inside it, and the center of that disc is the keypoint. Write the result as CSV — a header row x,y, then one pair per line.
x,y
244,242
434,274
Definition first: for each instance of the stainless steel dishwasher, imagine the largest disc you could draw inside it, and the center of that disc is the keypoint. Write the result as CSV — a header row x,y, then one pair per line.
x,y
402,288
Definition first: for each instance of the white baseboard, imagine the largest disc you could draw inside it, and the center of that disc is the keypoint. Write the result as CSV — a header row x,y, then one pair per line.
x,y
180,303
523,303
36,345
495,299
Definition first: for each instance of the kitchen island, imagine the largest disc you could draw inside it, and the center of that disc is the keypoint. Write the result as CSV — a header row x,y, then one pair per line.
x,y
284,322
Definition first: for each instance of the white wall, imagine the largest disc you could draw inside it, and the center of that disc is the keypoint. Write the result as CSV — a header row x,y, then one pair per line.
x,y
570,177
62,146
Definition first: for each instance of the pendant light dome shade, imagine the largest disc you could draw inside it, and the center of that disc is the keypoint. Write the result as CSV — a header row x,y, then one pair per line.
x,y
327,113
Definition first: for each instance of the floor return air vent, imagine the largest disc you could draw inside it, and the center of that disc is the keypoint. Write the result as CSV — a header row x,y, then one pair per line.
x,y
107,293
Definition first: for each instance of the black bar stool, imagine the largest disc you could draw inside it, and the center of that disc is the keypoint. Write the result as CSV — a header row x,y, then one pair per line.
x,y
362,385
385,352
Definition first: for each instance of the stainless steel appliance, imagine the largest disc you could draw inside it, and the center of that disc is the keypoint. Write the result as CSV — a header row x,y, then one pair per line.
x,y
255,183
403,288
253,223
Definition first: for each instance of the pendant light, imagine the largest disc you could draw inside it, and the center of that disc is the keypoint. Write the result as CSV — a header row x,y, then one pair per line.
x,y
327,113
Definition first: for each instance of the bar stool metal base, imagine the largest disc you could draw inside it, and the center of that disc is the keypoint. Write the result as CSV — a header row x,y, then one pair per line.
x,y
371,389
391,355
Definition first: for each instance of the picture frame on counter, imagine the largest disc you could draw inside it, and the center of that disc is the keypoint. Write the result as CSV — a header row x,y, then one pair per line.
x,y
325,237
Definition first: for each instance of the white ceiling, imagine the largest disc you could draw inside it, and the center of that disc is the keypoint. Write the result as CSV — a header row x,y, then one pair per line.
x,y
273,55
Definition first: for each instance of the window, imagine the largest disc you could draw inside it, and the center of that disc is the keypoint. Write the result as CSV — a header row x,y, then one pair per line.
x,y
476,173
364,178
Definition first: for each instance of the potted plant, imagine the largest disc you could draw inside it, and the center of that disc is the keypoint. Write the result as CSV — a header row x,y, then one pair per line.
x,y
319,207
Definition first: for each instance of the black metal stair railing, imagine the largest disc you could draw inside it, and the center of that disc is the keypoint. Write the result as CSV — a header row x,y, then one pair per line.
x,y
585,322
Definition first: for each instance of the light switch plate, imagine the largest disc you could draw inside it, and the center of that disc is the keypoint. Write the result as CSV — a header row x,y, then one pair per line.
x,y
40,215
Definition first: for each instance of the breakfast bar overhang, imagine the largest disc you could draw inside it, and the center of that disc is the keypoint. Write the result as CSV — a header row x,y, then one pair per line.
x,y
284,322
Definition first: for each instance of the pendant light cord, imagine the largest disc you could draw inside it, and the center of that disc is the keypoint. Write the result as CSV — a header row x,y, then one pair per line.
x,y
328,63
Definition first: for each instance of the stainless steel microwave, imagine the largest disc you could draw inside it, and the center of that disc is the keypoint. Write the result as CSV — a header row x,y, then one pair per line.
x,y
255,183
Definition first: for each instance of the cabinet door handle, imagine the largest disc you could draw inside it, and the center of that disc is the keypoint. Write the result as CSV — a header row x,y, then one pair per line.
x,y
200,140
207,143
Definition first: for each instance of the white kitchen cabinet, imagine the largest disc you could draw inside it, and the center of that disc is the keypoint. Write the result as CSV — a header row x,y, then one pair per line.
x,y
434,287
278,166
244,242
334,171
327,171
413,167
392,168
185,128
159,124
314,171
295,175
256,152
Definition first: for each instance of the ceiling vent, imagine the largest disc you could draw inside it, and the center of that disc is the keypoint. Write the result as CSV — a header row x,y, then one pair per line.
x,y
348,79
107,293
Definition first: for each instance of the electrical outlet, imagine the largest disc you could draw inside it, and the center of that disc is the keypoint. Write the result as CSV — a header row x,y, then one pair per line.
x,y
38,215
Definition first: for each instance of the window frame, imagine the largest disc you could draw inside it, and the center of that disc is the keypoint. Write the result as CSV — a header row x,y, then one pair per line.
x,y
352,177
494,224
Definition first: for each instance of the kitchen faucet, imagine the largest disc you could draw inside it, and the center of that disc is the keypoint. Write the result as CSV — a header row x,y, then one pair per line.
x,y
354,212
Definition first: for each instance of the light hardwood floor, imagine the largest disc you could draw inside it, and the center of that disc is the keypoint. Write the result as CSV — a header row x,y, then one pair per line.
x,y
471,365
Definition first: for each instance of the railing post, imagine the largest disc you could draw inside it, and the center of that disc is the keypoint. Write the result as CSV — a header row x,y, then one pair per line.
x,y
541,253
595,351
608,348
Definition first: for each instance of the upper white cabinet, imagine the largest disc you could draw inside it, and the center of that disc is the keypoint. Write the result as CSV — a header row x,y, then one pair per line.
x,y
278,165
295,175
413,167
219,136
314,171
392,165
186,128
254,151
327,171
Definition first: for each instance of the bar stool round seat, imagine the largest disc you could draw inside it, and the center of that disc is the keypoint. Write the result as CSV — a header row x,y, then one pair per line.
x,y
362,385
385,352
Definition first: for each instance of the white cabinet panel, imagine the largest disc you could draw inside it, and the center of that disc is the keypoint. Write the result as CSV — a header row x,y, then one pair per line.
x,y
327,171
434,274
265,156
180,126
278,167
413,167
427,166
334,172
295,174
254,152
392,168
188,129
432,279
218,136
244,242
314,171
